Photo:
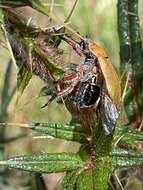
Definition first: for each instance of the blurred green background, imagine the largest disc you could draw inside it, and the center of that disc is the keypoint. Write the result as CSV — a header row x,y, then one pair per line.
x,y
96,19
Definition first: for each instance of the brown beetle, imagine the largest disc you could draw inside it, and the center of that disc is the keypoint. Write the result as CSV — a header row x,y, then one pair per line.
x,y
99,83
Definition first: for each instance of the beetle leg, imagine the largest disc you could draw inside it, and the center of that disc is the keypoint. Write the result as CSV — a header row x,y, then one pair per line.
x,y
65,92
49,101
72,83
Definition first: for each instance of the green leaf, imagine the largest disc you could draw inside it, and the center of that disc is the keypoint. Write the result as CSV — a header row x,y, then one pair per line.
x,y
50,59
6,84
86,180
126,162
129,105
46,163
94,177
62,131
125,153
15,3
36,4
101,172
124,158
5,92
47,90
23,77
69,181
128,136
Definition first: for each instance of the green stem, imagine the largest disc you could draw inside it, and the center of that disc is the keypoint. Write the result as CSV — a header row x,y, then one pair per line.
x,y
130,53
123,32
135,37
136,54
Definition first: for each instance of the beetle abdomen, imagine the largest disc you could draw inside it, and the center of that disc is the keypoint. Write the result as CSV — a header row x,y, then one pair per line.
x,y
87,93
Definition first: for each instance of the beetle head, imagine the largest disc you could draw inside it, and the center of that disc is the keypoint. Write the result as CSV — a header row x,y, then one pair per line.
x,y
84,47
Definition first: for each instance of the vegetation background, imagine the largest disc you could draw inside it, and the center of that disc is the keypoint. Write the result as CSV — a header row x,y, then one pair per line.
x,y
96,19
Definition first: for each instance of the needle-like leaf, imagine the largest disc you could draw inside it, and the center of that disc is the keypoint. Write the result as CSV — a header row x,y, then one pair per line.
x,y
46,163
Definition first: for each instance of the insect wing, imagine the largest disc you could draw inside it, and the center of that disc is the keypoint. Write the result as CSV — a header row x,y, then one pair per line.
x,y
97,50
108,113
111,78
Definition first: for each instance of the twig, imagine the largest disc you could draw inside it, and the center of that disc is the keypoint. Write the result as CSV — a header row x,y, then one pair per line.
x,y
8,45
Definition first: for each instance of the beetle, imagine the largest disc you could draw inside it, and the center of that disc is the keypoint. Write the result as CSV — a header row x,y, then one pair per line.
x,y
93,84
106,88
97,57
